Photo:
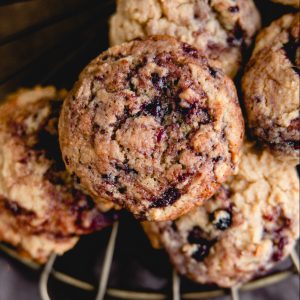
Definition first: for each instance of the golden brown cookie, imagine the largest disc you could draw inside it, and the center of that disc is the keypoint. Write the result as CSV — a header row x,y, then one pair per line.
x,y
271,87
244,230
151,126
219,28
153,233
41,209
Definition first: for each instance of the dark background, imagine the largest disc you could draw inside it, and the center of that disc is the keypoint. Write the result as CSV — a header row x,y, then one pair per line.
x,y
49,42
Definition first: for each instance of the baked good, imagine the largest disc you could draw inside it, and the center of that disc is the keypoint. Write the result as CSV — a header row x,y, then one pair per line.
x,y
295,3
220,28
243,231
41,209
271,87
152,127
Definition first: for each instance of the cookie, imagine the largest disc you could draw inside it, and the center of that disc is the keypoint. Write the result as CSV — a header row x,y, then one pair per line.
x,y
219,28
41,208
295,3
152,231
271,87
151,126
244,230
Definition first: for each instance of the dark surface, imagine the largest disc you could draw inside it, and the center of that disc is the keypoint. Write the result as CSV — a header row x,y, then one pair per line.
x,y
49,42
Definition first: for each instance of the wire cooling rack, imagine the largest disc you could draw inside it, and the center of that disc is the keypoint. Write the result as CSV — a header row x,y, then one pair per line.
x,y
71,33
102,289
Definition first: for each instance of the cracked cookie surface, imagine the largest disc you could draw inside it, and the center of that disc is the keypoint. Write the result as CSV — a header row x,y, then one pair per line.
x,y
219,28
271,87
151,126
41,209
243,231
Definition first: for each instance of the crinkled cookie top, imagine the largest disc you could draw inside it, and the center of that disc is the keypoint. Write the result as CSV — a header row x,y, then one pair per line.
x,y
244,230
41,208
271,87
219,28
152,127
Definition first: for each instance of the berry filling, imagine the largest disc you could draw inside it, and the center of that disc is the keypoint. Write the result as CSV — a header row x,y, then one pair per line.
x,y
167,198
203,245
221,219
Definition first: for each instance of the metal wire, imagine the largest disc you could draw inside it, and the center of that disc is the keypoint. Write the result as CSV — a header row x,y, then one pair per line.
x,y
72,281
267,280
235,293
204,295
45,278
295,259
176,286
133,295
107,262
14,254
